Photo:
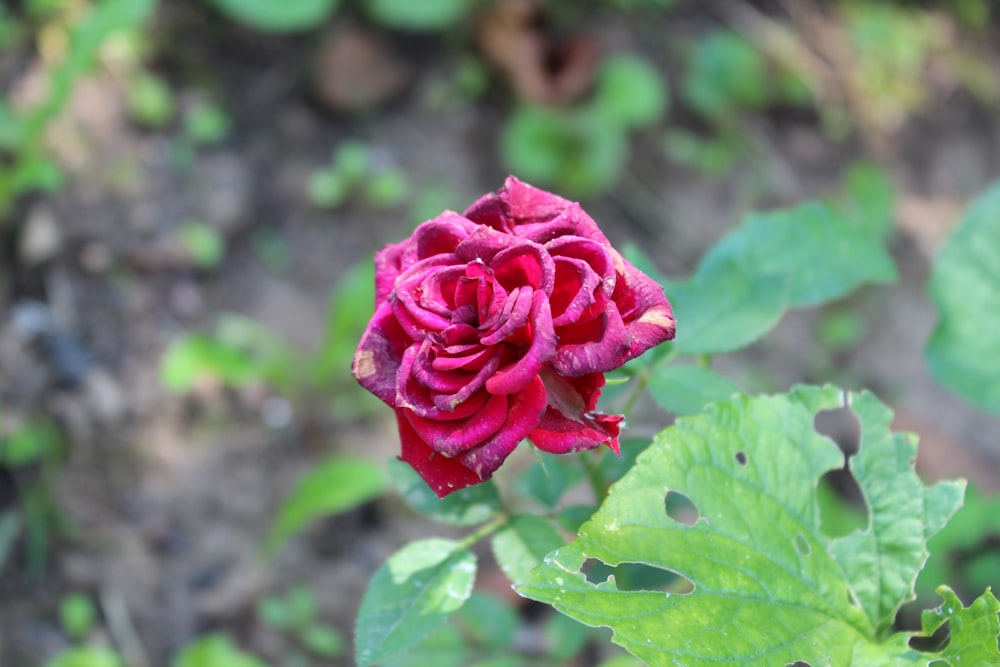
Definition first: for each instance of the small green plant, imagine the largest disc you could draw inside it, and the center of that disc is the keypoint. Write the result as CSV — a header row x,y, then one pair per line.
x,y
204,243
78,615
214,650
26,165
352,172
582,150
294,615
150,101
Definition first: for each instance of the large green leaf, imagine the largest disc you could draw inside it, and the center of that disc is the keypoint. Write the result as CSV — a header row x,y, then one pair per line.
x,y
521,545
413,594
824,254
334,486
769,587
790,258
964,350
881,563
723,308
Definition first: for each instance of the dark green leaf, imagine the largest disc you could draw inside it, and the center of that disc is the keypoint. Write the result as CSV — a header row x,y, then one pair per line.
x,y
413,594
465,507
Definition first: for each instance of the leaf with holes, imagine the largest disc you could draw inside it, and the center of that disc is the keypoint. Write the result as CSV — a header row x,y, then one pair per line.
x,y
973,631
412,595
769,588
964,350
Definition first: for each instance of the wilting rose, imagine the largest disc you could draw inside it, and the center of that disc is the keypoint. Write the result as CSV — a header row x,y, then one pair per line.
x,y
498,325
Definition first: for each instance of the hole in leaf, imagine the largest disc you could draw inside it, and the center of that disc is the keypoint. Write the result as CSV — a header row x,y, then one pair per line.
x,y
802,545
936,643
799,663
841,426
842,508
741,458
637,577
680,508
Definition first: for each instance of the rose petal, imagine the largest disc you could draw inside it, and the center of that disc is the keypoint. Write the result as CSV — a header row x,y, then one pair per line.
x,y
515,376
442,474
376,361
575,285
514,316
457,437
649,319
525,211
598,345
524,411
561,434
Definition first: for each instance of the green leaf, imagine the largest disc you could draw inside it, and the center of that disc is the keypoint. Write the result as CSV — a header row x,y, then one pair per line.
x,y
630,92
722,308
761,567
150,101
193,357
336,485
488,621
574,150
284,16
77,614
725,74
465,507
322,640
881,564
445,647
789,258
87,656
414,593
549,478
423,15
822,253
215,650
685,390
204,243
973,631
964,350
869,197
523,543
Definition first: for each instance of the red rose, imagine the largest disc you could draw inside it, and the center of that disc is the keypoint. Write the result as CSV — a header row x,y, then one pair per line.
x,y
499,324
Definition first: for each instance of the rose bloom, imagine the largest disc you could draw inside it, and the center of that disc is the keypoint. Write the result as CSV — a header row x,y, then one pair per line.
x,y
498,325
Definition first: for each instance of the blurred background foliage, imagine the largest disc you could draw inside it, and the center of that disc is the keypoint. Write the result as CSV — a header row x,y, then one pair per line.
x,y
190,192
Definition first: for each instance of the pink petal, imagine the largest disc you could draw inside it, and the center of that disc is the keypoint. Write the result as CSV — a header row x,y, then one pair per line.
x,y
457,437
517,375
524,411
649,319
561,434
376,361
444,475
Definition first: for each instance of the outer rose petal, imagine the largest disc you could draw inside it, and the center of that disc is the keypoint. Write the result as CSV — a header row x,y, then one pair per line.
x,y
561,434
379,354
525,211
442,474
648,317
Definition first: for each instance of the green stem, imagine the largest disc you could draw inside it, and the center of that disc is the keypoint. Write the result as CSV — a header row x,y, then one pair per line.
x,y
590,461
483,531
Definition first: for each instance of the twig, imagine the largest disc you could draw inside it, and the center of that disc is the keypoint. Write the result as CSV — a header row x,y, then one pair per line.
x,y
122,630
